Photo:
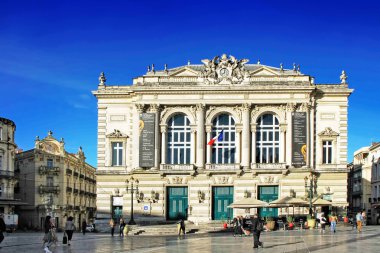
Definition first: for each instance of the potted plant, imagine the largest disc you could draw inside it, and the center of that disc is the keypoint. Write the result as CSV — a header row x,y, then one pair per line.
x,y
310,221
289,219
270,223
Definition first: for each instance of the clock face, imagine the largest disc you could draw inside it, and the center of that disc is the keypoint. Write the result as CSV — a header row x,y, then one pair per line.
x,y
224,72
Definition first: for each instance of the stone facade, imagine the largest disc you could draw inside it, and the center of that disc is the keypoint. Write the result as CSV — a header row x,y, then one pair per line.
x,y
56,183
374,156
7,158
191,104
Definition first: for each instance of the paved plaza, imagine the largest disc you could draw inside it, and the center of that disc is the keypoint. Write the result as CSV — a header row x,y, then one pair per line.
x,y
345,240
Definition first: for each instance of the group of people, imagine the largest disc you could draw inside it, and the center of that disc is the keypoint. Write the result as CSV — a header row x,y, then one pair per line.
x,y
123,227
256,227
50,237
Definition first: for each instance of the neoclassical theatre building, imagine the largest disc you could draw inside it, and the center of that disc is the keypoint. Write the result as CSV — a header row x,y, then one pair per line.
x,y
276,133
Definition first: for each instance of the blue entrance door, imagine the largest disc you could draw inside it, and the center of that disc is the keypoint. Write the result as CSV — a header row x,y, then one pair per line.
x,y
223,196
268,194
177,203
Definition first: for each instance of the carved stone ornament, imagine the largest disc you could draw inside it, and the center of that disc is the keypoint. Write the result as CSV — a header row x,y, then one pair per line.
x,y
328,132
177,180
223,180
269,179
291,107
343,77
116,134
224,70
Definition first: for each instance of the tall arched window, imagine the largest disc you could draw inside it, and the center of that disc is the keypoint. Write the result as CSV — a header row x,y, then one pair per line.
x,y
178,147
267,139
223,151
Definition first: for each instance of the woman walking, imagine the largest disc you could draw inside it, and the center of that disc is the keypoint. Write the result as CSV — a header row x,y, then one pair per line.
x,y
333,221
112,226
69,229
48,238
84,225
121,227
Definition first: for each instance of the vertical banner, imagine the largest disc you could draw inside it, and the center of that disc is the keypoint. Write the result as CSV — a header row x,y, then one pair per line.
x,y
299,139
146,131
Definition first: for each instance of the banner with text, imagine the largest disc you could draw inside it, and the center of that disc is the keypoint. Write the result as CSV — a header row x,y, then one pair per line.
x,y
299,139
147,137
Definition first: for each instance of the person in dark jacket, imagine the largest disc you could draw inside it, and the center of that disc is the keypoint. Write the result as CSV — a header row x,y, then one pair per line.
x,y
69,228
181,224
48,238
2,227
256,232
84,225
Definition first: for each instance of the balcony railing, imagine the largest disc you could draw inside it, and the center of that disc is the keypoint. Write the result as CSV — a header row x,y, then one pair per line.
x,y
44,170
69,189
69,171
81,176
223,167
75,191
177,167
77,208
76,174
6,174
268,166
49,189
81,192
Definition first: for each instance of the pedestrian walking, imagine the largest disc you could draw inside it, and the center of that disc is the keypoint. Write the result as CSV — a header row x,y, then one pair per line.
x,y
48,238
3,228
121,227
235,223
364,223
359,221
323,222
84,225
257,226
333,222
69,229
181,227
112,226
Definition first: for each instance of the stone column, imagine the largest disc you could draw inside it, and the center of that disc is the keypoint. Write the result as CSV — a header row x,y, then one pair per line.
x,y
290,107
201,142
312,132
140,109
208,155
253,133
192,145
164,134
238,145
156,110
282,143
245,137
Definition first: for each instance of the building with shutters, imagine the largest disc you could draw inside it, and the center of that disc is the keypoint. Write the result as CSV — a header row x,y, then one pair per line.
x,y
275,130
55,182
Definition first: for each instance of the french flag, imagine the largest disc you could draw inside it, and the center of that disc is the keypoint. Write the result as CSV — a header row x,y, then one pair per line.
x,y
218,137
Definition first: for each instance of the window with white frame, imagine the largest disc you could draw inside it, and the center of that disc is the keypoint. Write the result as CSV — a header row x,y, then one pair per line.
x,y
223,152
327,152
268,139
179,142
117,153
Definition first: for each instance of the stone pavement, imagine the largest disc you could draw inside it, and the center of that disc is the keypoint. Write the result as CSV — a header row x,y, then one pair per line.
x,y
345,240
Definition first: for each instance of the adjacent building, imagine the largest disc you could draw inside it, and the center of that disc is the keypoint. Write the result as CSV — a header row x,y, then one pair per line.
x,y
275,132
359,182
55,182
374,213
7,172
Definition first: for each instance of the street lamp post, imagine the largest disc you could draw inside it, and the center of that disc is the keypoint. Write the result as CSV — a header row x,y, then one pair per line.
x,y
132,186
310,188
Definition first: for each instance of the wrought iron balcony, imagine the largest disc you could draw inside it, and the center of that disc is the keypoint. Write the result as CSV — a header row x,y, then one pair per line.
x,y
81,192
223,167
47,170
77,208
69,189
49,189
81,176
76,174
6,174
76,191
69,171
177,167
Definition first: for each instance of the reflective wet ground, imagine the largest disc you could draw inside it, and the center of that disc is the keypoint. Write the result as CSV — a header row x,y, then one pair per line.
x,y
345,240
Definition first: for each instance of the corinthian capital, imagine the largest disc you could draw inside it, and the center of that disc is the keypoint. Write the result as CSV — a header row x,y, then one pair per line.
x,y
140,107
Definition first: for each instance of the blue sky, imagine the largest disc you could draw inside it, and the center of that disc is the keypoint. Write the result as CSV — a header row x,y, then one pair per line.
x,y
53,51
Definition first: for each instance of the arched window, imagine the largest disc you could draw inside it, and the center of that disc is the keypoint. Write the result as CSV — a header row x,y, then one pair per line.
x,y
267,139
178,148
223,151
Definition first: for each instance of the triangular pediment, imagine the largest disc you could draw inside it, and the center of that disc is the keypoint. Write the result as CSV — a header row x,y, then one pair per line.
x,y
264,71
328,132
185,72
